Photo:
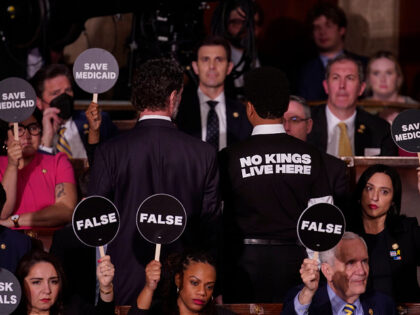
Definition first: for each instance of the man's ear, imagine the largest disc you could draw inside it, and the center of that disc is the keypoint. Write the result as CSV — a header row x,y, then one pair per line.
x,y
325,85
362,88
342,32
230,67
327,271
309,125
39,103
195,67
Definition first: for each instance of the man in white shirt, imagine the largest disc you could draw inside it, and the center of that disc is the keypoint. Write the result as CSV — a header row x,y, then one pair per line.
x,y
207,112
342,129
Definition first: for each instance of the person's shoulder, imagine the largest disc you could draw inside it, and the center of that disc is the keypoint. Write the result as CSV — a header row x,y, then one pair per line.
x,y
371,120
383,303
317,110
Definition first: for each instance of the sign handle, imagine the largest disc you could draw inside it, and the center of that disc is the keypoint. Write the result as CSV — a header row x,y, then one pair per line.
x,y
16,131
418,155
157,252
316,256
101,251
95,98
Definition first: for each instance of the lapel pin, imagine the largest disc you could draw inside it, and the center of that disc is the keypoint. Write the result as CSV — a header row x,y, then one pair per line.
x,y
235,114
44,171
370,311
395,246
3,246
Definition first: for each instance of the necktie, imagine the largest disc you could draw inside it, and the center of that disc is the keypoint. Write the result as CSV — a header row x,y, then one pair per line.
x,y
62,143
349,309
344,146
212,135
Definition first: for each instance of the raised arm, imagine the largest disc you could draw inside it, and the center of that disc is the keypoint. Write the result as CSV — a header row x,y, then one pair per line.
x,y
153,271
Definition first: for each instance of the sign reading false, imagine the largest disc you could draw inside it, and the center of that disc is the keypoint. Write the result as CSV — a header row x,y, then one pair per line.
x,y
161,219
95,71
321,226
17,101
406,130
10,292
96,221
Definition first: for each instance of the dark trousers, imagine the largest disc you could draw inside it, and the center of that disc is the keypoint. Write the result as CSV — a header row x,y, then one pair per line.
x,y
262,273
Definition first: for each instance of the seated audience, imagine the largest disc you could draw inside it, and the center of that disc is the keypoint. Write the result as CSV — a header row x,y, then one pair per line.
x,y
346,270
393,239
383,83
40,188
187,290
342,129
43,287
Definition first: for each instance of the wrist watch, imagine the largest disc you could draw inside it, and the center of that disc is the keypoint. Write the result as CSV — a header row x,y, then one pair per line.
x,y
15,219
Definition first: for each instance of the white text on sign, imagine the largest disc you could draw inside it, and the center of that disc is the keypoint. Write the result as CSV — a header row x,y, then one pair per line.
x,y
168,220
6,286
414,134
15,100
95,222
319,227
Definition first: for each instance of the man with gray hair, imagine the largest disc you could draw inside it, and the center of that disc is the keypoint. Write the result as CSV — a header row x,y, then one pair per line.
x,y
346,270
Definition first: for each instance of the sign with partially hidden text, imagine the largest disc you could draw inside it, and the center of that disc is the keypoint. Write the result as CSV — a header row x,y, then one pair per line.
x,y
321,226
161,219
17,100
96,221
10,292
406,130
95,70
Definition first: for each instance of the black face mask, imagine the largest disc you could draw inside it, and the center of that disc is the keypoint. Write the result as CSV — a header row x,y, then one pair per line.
x,y
65,104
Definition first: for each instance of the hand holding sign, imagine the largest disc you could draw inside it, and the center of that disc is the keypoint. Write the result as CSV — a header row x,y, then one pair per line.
x,y
161,219
17,101
10,292
96,222
406,131
320,227
95,71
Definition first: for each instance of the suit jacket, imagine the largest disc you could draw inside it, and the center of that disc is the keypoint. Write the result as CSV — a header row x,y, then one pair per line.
x,y
313,73
78,261
372,303
13,245
189,118
370,132
155,157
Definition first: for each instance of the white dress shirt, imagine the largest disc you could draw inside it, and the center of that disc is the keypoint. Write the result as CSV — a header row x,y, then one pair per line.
x,y
220,112
334,131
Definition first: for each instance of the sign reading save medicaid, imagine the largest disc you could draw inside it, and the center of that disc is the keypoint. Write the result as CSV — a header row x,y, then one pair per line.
x,y
95,70
321,226
10,292
17,100
161,219
96,221
406,130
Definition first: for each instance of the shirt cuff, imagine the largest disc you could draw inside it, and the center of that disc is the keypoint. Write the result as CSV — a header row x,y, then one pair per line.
x,y
43,148
299,308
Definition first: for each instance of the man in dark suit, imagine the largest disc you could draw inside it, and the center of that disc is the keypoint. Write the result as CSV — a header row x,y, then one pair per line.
x,y
81,130
298,123
208,113
346,270
328,25
340,128
154,157
268,180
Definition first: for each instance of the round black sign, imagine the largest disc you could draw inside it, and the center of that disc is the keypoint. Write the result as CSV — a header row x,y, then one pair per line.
x,y
96,221
161,219
406,130
321,226
17,100
95,70
10,292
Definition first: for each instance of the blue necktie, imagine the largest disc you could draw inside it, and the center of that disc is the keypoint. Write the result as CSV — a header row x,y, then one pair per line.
x,y
212,136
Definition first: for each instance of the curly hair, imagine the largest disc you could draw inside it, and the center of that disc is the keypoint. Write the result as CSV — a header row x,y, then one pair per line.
x,y
153,83
25,265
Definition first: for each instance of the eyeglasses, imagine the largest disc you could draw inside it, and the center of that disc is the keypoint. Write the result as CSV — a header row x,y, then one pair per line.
x,y
294,120
34,129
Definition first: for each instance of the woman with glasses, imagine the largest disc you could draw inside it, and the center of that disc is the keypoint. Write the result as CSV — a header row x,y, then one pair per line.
x,y
40,188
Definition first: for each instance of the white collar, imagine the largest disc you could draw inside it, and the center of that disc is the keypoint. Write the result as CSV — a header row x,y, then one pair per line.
x,y
268,129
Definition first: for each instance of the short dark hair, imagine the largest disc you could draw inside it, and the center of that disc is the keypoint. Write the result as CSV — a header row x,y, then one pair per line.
x,y
25,265
153,83
345,57
215,41
49,72
267,89
330,11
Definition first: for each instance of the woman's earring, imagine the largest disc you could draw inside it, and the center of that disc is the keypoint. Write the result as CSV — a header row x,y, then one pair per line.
x,y
4,147
177,290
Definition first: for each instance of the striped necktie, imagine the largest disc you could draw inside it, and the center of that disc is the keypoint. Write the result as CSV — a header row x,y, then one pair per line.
x,y
344,146
349,309
62,143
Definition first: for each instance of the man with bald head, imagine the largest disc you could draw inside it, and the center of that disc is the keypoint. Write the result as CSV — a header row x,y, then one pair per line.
x,y
346,269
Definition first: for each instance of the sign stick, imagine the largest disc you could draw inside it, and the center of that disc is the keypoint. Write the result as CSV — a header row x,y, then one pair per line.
x,y
418,155
95,98
316,255
101,251
157,252
16,130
